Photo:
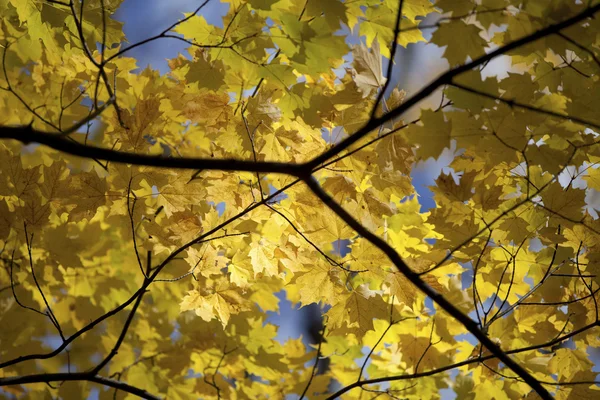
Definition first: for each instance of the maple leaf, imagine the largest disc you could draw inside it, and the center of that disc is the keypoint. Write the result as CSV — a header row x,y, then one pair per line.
x,y
433,137
208,74
358,310
263,260
221,304
367,62
462,40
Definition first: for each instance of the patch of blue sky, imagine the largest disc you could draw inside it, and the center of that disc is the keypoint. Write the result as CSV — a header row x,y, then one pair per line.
x,y
467,337
424,174
573,176
466,278
92,125
145,18
341,247
155,191
280,197
94,394
333,135
291,319
592,201
175,334
535,245
220,207
449,393
594,354
362,360
430,305
51,341
430,241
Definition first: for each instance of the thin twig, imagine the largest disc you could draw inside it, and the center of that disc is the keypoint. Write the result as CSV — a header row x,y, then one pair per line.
x,y
49,312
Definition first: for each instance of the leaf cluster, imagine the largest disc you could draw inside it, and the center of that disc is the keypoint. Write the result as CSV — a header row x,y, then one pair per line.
x,y
149,223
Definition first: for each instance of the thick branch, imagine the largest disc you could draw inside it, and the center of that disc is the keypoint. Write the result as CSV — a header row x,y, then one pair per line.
x,y
77,376
27,135
440,300
446,78
459,364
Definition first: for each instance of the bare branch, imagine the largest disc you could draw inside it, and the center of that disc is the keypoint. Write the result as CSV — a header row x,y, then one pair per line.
x,y
28,135
316,364
390,67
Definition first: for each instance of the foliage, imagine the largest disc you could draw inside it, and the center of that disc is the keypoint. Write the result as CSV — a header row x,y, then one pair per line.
x,y
147,221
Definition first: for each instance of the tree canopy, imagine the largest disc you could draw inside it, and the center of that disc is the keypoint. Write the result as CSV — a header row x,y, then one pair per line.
x,y
149,222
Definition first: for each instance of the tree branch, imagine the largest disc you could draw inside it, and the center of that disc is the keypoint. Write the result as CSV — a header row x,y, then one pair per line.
x,y
475,360
446,78
513,103
27,135
414,278
77,376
